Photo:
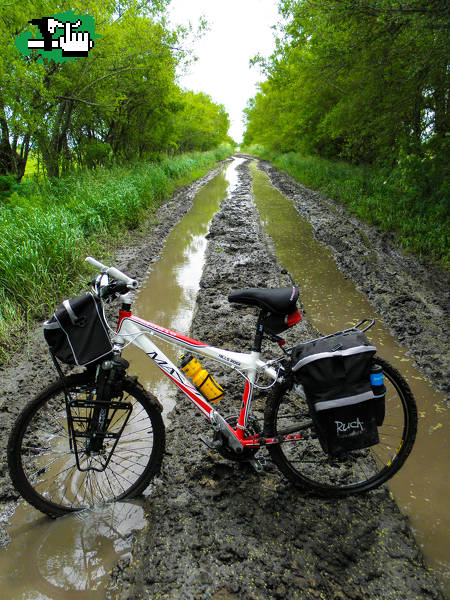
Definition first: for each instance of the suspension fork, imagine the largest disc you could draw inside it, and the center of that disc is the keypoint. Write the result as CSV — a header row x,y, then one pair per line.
x,y
108,374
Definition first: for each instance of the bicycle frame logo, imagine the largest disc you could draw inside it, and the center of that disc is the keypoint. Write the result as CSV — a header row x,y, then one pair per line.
x,y
65,36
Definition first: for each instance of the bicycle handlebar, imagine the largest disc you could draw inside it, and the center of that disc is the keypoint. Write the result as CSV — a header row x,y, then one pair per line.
x,y
113,272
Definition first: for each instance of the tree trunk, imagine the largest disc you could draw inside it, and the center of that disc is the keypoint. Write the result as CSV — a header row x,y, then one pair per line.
x,y
53,150
441,120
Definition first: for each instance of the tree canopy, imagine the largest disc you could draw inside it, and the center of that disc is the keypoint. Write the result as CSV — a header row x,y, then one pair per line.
x,y
363,80
120,102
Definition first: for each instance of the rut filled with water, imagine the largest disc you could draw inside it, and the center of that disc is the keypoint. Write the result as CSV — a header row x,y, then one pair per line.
x,y
72,556
208,528
332,303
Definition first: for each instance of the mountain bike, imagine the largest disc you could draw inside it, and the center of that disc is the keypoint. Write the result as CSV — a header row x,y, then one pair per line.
x,y
98,436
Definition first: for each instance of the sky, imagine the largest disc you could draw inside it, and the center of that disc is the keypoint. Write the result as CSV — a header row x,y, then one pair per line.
x,y
238,29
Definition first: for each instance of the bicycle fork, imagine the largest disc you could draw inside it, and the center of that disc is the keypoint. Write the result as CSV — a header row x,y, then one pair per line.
x,y
89,419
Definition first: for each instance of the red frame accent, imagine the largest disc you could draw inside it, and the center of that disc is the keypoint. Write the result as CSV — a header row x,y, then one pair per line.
x,y
123,314
294,318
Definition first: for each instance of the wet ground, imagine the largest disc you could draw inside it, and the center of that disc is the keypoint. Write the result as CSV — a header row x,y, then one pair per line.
x,y
216,529
332,303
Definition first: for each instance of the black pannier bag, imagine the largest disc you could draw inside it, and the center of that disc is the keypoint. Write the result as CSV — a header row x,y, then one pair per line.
x,y
77,332
335,372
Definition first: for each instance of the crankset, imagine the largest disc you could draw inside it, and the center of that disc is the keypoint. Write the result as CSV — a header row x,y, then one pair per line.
x,y
220,443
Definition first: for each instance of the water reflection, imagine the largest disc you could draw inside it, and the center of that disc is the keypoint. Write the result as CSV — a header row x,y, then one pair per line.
x,y
69,557
170,290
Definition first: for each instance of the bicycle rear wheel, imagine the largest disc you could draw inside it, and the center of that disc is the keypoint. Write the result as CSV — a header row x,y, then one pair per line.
x,y
57,476
307,465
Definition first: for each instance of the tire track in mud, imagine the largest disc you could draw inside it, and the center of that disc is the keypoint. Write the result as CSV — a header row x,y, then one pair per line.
x,y
411,295
217,530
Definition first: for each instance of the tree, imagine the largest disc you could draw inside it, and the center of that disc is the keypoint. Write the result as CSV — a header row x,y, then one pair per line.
x,y
355,79
122,95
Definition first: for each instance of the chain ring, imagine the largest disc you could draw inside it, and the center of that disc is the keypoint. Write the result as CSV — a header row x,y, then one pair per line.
x,y
228,453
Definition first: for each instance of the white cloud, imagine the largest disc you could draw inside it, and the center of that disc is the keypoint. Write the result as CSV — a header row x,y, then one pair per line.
x,y
238,29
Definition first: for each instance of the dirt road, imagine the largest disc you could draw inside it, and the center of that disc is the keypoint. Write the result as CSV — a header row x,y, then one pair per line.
x,y
216,530
219,531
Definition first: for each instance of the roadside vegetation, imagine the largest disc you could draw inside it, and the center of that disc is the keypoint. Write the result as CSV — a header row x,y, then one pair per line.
x,y
390,199
355,104
47,230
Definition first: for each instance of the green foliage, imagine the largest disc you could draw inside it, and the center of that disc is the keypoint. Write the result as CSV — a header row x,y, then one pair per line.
x,y
199,124
379,196
8,185
93,152
366,82
120,103
354,80
46,233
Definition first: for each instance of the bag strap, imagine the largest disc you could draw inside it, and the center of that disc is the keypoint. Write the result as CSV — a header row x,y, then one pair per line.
x,y
72,316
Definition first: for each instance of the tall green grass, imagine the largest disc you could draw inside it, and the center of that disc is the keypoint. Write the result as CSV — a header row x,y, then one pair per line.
x,y
47,230
395,200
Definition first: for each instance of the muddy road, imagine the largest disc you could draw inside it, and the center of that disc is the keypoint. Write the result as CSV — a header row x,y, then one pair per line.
x,y
215,529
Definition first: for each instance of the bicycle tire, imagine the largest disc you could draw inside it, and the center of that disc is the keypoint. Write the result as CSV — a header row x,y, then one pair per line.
x,y
42,463
306,465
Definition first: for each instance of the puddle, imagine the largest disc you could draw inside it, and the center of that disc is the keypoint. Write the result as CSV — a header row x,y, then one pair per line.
x,y
169,292
332,302
69,558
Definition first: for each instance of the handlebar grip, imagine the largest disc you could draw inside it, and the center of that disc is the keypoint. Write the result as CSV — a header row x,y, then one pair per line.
x,y
95,263
119,276
113,272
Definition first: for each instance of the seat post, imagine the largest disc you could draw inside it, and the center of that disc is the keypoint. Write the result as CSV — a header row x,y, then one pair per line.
x,y
257,342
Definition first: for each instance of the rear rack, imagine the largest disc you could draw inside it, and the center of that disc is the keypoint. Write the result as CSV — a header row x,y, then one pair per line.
x,y
357,327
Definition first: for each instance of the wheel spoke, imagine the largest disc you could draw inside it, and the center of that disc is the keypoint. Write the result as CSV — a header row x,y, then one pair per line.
x,y
42,452
304,461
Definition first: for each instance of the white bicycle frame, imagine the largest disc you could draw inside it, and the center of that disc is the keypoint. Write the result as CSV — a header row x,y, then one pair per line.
x,y
137,331
133,330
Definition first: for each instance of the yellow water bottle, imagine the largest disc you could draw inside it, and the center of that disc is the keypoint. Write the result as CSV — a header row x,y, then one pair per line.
x,y
202,380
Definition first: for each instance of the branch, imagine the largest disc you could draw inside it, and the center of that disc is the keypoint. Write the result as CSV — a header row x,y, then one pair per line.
x,y
73,98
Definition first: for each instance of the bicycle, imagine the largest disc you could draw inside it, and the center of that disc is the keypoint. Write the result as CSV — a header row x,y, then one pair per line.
x,y
98,436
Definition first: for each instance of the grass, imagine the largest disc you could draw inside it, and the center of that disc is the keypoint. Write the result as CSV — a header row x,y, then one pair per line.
x,y
418,217
47,230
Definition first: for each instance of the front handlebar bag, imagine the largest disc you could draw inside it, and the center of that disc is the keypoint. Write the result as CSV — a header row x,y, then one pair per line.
x,y
335,374
76,333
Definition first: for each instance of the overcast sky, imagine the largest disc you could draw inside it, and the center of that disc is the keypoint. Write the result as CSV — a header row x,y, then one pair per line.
x,y
238,29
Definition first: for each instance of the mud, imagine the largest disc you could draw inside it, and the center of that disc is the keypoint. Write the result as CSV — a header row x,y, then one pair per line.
x,y
31,369
217,530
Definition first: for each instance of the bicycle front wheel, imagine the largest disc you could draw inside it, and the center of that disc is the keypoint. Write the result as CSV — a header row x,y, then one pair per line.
x,y
58,472
307,465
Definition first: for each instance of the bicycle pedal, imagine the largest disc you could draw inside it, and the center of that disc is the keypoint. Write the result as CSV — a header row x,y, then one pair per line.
x,y
258,463
212,444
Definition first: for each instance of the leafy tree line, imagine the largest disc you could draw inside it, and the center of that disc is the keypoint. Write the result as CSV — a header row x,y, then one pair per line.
x,y
366,81
120,103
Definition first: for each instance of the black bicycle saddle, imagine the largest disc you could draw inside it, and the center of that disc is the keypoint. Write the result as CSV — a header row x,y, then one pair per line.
x,y
281,301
